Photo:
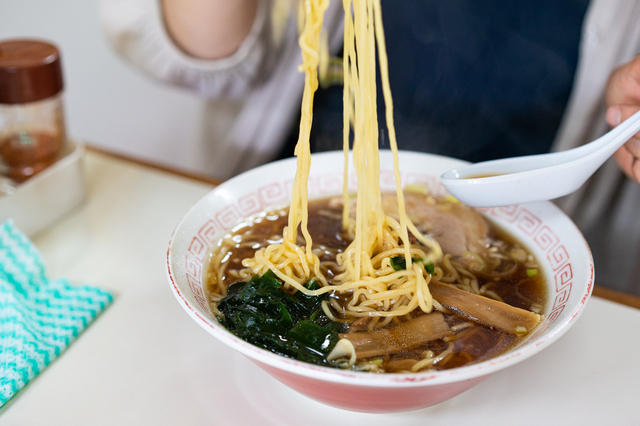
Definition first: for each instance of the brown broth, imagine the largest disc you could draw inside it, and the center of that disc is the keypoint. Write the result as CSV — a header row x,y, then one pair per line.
x,y
486,175
471,345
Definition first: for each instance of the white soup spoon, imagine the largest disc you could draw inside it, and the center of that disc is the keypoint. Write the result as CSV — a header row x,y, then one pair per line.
x,y
535,177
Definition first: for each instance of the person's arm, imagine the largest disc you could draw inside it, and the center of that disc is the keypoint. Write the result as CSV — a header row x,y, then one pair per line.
x,y
245,52
209,29
623,100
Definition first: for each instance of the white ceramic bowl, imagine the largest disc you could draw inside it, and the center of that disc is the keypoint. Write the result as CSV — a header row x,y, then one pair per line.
x,y
561,250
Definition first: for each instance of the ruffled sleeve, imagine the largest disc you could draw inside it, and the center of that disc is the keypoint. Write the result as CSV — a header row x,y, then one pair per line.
x,y
136,30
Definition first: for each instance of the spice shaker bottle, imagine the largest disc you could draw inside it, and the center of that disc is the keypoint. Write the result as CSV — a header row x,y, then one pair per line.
x,y
32,130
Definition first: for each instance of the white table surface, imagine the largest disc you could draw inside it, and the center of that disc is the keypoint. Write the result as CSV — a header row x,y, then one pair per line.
x,y
145,362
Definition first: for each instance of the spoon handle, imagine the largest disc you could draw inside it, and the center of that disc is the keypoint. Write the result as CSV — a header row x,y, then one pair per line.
x,y
615,138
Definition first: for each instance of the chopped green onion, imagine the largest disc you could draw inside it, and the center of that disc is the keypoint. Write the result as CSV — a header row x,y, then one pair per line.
x,y
398,263
429,267
532,273
521,330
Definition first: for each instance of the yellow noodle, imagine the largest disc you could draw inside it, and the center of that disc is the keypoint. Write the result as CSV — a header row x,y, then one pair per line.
x,y
363,269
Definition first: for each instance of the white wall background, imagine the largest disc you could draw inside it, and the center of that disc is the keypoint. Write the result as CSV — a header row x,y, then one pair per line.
x,y
109,103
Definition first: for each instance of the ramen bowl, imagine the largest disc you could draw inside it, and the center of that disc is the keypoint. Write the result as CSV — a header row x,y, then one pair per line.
x,y
564,258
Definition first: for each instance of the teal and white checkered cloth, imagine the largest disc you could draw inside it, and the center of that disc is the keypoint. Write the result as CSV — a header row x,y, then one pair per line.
x,y
39,318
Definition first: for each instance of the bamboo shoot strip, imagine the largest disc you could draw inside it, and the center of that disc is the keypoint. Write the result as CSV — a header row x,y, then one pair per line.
x,y
483,310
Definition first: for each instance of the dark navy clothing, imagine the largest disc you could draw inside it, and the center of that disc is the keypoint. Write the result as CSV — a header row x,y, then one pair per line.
x,y
470,79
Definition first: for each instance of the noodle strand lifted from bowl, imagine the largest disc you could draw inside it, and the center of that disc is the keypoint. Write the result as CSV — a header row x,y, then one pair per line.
x,y
365,264
312,301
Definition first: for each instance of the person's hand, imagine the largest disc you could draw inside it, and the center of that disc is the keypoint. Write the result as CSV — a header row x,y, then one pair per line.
x,y
623,100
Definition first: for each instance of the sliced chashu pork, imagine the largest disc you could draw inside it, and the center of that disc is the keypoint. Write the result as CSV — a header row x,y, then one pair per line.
x,y
455,226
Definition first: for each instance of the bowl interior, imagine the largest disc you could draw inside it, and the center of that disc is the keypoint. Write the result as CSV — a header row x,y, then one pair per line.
x,y
561,250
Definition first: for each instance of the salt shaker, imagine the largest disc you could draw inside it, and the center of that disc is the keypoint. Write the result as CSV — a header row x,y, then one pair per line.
x,y
32,129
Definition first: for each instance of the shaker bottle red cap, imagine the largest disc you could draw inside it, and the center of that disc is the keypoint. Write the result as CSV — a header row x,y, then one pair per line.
x,y
29,71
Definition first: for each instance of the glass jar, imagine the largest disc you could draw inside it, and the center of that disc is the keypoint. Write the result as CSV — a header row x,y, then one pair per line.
x,y
32,130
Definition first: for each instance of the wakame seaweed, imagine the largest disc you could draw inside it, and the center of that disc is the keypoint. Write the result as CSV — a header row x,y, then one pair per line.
x,y
294,325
